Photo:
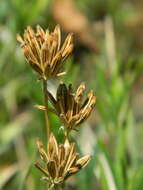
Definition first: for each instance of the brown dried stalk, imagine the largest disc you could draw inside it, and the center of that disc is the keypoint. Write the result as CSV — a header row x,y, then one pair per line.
x,y
45,55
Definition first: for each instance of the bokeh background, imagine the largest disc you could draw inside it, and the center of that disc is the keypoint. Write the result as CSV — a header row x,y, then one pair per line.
x,y
108,57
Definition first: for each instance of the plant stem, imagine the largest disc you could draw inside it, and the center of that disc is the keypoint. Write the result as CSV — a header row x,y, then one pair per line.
x,y
46,108
59,187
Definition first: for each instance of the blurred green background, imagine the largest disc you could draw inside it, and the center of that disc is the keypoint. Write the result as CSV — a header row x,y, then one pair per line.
x,y
108,57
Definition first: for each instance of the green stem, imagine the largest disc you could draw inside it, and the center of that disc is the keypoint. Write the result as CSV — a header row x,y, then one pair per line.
x,y
46,108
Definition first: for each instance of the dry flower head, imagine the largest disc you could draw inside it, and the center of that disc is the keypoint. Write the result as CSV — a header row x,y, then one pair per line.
x,y
61,161
69,106
43,50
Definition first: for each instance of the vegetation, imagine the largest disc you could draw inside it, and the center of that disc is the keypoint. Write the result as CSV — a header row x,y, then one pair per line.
x,y
107,56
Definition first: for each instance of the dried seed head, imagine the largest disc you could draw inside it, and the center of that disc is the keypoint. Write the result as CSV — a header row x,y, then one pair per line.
x,y
61,161
69,106
43,50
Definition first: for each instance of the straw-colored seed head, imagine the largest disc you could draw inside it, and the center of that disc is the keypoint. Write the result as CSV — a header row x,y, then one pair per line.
x,y
61,161
43,50
69,106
